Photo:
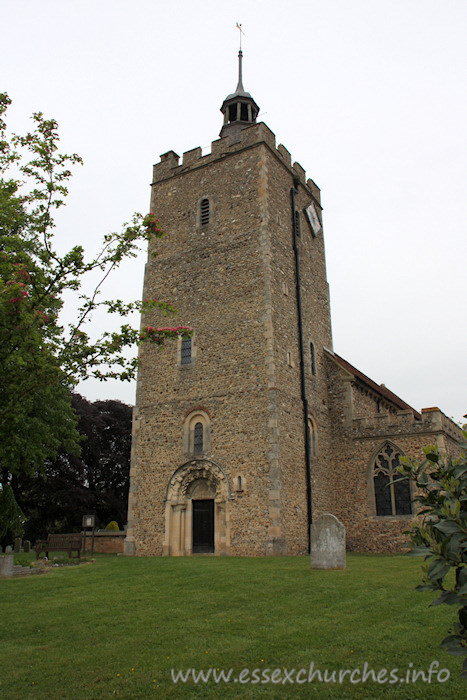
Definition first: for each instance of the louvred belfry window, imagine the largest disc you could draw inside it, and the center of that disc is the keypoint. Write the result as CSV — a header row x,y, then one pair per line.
x,y
297,223
204,212
390,498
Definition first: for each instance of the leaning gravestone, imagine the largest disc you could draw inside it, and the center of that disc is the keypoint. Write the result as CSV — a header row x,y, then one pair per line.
x,y
17,545
8,549
26,546
327,536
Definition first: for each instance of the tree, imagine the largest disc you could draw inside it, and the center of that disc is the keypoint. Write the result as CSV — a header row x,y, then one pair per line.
x,y
96,481
41,361
441,534
11,515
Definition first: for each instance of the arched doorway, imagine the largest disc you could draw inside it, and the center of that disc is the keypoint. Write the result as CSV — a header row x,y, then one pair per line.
x,y
197,510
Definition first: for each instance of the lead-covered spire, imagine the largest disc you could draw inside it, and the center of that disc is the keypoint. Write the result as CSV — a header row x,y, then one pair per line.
x,y
240,84
239,109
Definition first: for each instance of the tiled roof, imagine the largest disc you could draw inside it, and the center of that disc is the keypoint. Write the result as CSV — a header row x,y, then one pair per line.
x,y
381,390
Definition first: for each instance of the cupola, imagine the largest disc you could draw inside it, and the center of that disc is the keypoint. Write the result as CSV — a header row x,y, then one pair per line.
x,y
239,108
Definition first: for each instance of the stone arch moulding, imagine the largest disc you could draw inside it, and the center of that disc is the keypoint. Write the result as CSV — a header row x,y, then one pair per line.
x,y
199,479
197,415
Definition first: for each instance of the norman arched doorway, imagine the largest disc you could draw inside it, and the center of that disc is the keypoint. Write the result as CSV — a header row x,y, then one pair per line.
x,y
197,510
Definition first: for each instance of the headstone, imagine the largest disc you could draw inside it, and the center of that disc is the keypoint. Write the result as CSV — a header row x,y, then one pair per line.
x,y
27,546
8,549
6,567
17,545
327,536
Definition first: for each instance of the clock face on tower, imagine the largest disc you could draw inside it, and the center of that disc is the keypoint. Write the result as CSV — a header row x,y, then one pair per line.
x,y
313,220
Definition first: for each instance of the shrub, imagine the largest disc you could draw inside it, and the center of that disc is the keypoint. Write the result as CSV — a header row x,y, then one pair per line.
x,y
113,525
440,533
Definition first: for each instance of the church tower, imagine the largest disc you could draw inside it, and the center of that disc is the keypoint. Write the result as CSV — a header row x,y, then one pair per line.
x,y
231,431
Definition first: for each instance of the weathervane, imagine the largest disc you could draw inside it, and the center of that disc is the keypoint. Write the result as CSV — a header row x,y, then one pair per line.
x,y
239,27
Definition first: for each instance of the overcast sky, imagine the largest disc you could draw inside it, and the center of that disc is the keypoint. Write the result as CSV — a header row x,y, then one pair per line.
x,y
370,98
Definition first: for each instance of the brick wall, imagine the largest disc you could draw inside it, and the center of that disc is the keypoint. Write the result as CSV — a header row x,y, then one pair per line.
x,y
109,542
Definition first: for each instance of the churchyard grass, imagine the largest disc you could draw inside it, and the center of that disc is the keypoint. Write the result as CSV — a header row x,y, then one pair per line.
x,y
117,626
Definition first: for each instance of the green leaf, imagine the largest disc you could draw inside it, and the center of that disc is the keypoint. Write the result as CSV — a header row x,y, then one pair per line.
x,y
451,639
448,598
438,569
423,479
457,650
419,551
448,527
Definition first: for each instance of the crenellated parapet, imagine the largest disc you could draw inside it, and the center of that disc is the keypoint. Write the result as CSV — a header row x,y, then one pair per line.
x,y
440,421
258,133
405,422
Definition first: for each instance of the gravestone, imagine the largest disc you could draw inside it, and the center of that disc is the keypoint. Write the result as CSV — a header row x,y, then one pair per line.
x,y
26,546
17,545
6,567
327,536
8,549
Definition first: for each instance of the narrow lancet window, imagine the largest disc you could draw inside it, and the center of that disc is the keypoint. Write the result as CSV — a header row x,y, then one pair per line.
x,y
312,437
198,438
313,359
185,357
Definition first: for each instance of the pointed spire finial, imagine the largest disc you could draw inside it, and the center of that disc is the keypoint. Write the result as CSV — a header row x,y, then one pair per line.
x,y
240,87
239,108
239,27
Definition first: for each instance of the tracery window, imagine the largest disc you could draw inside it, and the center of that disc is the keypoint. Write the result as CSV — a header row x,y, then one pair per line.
x,y
390,498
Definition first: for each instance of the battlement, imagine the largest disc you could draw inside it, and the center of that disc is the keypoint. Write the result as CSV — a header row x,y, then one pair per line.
x,y
433,421
170,165
434,416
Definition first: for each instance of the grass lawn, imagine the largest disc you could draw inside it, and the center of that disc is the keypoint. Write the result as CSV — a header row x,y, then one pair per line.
x,y
117,626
